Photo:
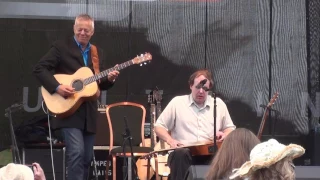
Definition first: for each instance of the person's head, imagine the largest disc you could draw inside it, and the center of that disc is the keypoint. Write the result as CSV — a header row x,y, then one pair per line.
x,y
199,95
282,170
270,160
16,172
83,28
234,151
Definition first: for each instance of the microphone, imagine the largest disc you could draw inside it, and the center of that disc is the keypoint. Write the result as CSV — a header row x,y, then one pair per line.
x,y
201,85
13,108
264,106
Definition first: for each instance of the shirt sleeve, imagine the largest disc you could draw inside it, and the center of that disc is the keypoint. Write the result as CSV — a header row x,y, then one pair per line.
x,y
226,119
167,117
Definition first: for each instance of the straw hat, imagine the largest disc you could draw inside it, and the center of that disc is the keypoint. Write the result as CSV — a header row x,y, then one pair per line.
x,y
16,172
266,154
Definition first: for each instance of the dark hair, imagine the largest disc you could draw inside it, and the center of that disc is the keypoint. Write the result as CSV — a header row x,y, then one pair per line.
x,y
234,151
200,72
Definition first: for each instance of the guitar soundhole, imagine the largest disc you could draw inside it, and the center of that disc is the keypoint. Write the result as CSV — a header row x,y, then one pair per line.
x,y
77,85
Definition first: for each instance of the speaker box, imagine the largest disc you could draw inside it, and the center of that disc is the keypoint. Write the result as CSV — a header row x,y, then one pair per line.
x,y
313,147
42,156
102,135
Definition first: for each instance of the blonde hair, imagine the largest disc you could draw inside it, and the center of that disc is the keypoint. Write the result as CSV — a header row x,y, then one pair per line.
x,y
85,17
282,170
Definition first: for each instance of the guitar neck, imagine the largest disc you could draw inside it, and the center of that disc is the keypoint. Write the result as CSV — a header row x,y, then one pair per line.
x,y
158,109
265,115
162,145
105,73
152,121
188,146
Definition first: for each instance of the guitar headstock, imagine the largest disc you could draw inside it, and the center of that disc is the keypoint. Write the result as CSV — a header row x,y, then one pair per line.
x,y
142,59
273,99
157,96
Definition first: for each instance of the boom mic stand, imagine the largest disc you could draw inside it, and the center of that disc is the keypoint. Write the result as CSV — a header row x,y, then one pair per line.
x,y
127,137
215,146
15,149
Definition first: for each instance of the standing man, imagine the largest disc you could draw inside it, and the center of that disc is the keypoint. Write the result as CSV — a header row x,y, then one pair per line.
x,y
78,130
188,120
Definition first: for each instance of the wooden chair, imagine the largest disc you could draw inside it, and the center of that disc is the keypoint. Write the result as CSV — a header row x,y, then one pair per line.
x,y
135,114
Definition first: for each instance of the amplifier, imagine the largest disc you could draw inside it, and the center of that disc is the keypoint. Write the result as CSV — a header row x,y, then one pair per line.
x,y
102,135
43,157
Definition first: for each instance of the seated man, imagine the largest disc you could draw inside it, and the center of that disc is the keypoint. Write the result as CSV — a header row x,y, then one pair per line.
x,y
190,120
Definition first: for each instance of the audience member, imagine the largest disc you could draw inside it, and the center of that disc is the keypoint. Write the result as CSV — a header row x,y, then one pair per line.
x,y
234,151
21,172
270,160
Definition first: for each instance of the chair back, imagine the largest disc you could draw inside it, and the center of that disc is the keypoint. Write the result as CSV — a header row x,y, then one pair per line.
x,y
135,115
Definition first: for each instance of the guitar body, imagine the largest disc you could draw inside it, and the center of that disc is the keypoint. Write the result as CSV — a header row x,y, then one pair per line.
x,y
163,168
142,164
63,107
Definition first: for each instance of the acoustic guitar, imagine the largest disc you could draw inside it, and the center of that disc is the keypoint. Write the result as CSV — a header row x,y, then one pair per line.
x,y
142,164
86,87
163,168
266,113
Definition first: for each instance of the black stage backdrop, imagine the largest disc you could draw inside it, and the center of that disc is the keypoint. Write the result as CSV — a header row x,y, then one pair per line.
x,y
253,48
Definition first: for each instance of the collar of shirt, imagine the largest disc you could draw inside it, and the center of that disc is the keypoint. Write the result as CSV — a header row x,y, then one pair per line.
x,y
80,46
206,103
85,52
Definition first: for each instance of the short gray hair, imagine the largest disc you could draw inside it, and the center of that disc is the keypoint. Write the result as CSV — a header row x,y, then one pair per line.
x,y
84,17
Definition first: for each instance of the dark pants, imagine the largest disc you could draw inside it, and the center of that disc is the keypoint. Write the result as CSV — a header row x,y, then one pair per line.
x,y
180,160
79,152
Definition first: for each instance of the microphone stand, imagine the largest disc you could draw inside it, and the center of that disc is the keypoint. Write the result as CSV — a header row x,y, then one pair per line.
x,y
15,149
127,136
215,147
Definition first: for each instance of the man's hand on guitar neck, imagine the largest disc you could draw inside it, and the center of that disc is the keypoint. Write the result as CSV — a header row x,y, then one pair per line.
x,y
112,76
174,143
65,90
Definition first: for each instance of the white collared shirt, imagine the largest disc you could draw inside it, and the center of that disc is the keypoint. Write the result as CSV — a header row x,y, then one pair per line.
x,y
190,124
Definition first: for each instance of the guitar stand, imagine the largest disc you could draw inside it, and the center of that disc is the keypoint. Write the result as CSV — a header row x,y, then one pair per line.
x,y
95,166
